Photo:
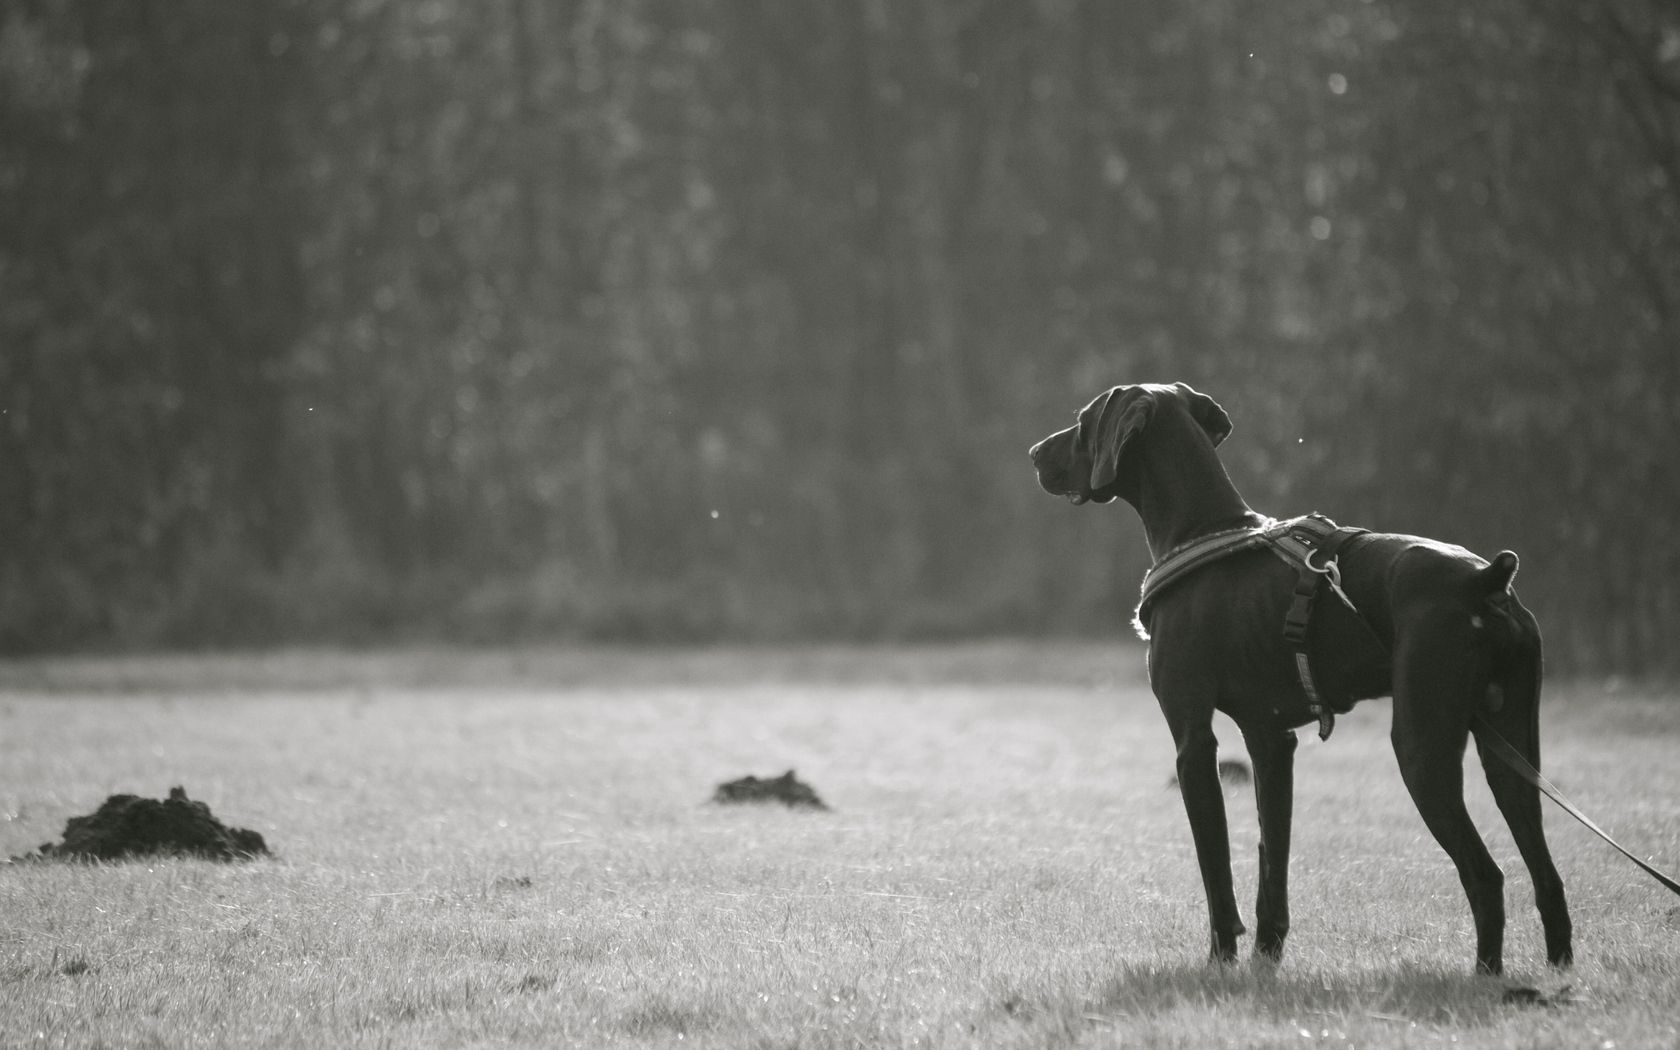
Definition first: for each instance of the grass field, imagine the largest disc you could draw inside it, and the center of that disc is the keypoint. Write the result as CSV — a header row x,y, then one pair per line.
x,y
493,849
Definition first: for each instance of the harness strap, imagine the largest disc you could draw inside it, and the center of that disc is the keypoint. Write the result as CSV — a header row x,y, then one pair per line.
x,y
1307,544
1313,545
1182,561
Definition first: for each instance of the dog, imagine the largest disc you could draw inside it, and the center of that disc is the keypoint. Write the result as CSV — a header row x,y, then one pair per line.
x,y
1462,657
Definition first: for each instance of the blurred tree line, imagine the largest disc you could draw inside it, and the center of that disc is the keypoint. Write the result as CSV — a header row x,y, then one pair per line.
x,y
525,319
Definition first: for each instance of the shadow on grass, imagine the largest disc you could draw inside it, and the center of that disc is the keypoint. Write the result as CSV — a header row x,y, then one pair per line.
x,y
1400,993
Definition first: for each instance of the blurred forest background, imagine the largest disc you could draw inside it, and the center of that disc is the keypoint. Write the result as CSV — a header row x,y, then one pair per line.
x,y
513,320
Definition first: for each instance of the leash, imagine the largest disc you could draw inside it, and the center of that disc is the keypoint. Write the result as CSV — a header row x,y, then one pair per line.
x,y
1516,761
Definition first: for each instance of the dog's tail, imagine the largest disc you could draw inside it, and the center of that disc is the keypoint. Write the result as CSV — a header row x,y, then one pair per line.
x,y
1498,574
1511,637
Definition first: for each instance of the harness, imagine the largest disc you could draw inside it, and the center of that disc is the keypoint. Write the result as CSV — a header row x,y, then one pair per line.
x,y
1310,545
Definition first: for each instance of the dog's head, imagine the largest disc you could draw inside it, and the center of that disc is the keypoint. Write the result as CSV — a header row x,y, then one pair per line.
x,y
1095,459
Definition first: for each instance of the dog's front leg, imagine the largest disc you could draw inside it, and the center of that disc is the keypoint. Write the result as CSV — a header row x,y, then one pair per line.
x,y
1204,802
1272,750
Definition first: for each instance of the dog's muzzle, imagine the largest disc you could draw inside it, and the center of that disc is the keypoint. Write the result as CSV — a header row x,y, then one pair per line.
x,y
1052,460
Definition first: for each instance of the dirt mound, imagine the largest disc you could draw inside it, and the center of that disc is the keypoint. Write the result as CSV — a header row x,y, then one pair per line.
x,y
1231,771
786,789
129,826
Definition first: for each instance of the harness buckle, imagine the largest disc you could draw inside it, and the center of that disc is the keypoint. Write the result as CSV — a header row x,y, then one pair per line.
x,y
1300,610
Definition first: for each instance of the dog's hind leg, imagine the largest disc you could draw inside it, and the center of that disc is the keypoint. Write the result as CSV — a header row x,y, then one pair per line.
x,y
1513,711
1272,749
1432,708
1191,720
1519,801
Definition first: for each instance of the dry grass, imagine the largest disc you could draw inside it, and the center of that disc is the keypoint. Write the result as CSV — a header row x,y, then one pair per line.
x,y
515,850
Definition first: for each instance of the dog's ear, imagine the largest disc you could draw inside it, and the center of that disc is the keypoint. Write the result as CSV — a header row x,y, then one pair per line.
x,y
1115,418
1206,411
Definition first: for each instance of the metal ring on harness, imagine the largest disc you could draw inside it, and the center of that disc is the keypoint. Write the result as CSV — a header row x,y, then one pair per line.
x,y
1332,573
1331,569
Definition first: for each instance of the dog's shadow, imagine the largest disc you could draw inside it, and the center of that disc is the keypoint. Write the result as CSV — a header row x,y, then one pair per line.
x,y
1402,994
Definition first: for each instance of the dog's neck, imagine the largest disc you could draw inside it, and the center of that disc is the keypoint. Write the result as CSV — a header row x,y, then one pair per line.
x,y
1183,490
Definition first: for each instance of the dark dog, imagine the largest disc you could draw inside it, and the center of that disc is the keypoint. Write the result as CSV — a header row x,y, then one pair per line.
x,y
1459,645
